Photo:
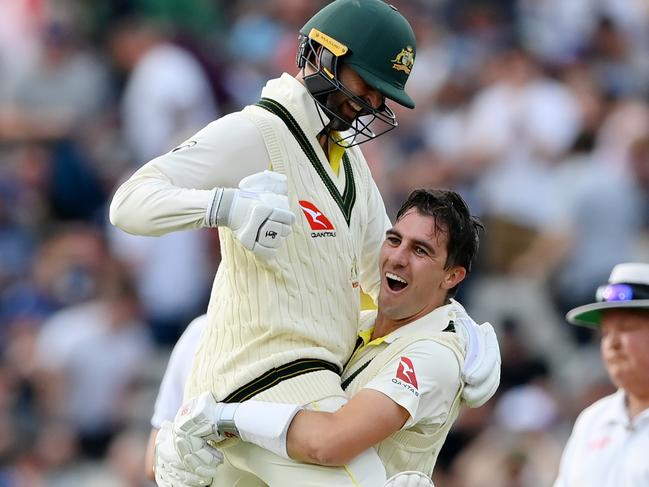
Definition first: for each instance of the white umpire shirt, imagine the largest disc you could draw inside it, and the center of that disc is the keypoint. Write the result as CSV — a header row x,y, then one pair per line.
x,y
606,448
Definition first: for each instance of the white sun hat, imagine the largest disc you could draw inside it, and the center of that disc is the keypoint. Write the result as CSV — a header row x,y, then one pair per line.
x,y
628,287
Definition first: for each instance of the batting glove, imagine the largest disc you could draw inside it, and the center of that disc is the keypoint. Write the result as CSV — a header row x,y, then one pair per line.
x,y
410,478
481,369
168,467
257,212
195,425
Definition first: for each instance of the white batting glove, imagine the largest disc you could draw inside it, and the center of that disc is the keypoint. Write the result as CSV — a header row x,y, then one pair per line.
x,y
195,424
481,369
168,467
410,478
258,212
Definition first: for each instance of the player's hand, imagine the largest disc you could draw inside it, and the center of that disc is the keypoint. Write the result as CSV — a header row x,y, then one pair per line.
x,y
194,425
168,467
258,212
481,369
410,478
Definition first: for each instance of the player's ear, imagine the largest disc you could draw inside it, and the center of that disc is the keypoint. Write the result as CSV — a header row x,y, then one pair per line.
x,y
454,276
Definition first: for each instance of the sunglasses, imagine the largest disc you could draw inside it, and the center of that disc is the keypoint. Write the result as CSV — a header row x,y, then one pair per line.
x,y
622,292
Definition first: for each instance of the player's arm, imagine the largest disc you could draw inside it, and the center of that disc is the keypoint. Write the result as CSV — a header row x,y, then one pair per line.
x,y
199,184
149,455
335,438
385,405
174,191
286,429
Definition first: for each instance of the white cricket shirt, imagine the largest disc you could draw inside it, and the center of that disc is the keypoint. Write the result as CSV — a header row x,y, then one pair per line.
x,y
606,448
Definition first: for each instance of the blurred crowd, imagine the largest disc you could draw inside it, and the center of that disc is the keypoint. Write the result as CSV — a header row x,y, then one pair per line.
x,y
536,111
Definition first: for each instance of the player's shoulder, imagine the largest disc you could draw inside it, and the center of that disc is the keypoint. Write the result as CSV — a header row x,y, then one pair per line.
x,y
196,326
602,410
430,347
188,341
432,358
230,124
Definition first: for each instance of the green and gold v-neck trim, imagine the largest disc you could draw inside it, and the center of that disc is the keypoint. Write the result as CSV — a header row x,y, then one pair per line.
x,y
345,201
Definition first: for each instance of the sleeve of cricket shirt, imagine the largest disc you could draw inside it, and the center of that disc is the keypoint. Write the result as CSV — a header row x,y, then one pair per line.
x,y
172,387
424,379
377,224
173,191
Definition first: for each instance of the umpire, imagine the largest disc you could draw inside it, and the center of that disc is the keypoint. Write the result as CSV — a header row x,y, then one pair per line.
x,y
609,444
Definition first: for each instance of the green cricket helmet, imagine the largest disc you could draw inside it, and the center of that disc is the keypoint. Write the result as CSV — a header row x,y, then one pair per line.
x,y
372,38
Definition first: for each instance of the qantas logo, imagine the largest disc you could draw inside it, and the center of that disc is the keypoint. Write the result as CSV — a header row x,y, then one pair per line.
x,y
316,219
319,223
406,372
599,443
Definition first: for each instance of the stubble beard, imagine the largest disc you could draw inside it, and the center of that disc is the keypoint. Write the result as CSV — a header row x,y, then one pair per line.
x,y
339,123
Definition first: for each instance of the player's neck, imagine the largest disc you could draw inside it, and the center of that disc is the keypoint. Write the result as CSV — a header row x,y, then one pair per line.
x,y
636,404
384,325
323,140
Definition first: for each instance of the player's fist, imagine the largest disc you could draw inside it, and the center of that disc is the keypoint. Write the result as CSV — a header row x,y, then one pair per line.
x,y
195,424
481,369
410,478
257,212
168,467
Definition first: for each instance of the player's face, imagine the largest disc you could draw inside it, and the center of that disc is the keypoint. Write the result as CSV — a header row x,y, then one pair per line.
x,y
343,106
624,345
414,280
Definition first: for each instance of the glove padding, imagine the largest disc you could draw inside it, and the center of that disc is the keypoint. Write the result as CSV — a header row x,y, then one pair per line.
x,y
168,467
258,212
409,478
481,369
196,424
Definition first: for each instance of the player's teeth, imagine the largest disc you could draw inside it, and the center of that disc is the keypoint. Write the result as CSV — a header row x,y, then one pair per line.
x,y
395,277
355,106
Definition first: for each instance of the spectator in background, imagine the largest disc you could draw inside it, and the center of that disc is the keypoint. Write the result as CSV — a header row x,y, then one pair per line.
x,y
90,355
167,98
20,28
517,128
512,444
66,270
167,95
604,208
639,167
64,90
262,43
609,443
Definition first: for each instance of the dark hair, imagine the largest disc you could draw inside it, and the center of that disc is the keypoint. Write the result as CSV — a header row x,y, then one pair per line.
x,y
453,217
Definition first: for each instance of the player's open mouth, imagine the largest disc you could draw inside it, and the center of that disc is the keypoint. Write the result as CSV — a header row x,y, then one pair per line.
x,y
395,283
355,110
355,106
